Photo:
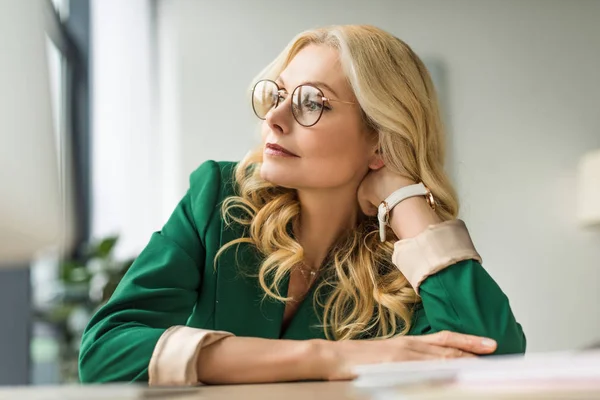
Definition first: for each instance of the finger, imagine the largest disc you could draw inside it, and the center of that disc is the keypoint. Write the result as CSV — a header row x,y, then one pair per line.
x,y
469,343
449,352
370,210
414,355
367,208
439,352
365,205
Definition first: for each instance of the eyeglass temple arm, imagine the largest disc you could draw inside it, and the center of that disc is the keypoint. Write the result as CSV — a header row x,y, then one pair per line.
x,y
339,101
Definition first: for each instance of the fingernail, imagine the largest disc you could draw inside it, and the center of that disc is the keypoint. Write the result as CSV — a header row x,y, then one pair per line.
x,y
488,343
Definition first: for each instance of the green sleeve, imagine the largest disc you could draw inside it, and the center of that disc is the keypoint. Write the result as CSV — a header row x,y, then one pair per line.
x,y
158,291
464,298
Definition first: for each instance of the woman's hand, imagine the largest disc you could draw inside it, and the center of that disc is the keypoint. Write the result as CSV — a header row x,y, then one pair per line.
x,y
338,358
376,186
409,218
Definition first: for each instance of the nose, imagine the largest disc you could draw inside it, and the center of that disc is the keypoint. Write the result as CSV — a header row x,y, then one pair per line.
x,y
279,118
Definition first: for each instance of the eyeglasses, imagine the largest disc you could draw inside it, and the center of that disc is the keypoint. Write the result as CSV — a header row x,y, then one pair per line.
x,y
308,102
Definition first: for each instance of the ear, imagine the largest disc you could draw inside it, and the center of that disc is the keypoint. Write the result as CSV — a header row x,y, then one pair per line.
x,y
376,161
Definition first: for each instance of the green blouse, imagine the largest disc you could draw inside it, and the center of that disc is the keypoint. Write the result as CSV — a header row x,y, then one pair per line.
x,y
174,282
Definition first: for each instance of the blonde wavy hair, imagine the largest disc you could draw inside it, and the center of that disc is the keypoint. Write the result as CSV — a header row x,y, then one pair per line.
x,y
367,296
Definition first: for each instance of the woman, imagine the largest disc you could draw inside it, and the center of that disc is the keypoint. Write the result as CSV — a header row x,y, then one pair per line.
x,y
340,228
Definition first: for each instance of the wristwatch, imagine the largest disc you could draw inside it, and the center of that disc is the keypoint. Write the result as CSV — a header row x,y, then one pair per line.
x,y
386,206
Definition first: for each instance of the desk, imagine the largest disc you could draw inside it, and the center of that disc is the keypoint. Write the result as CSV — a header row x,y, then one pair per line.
x,y
283,391
279,391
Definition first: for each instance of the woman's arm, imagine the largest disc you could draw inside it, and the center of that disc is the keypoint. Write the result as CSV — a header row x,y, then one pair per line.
x,y
255,360
157,293
457,293
464,298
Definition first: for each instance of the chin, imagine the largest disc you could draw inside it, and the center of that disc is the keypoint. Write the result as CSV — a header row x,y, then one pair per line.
x,y
279,173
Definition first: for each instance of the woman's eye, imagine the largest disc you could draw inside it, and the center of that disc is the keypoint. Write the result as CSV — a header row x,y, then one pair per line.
x,y
311,105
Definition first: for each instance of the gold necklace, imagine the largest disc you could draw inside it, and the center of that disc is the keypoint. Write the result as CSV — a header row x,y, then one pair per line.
x,y
309,275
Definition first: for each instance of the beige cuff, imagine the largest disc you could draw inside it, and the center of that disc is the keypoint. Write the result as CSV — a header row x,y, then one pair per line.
x,y
438,247
175,357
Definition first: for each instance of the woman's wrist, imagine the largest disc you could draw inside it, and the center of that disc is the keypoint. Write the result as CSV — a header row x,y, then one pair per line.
x,y
330,359
411,217
322,359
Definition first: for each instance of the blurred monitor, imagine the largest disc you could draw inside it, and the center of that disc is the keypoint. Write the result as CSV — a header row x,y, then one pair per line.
x,y
31,208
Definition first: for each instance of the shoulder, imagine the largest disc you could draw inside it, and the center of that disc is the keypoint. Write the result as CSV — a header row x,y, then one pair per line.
x,y
213,179
210,184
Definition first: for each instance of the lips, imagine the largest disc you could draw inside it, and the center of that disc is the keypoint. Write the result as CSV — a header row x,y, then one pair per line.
x,y
277,149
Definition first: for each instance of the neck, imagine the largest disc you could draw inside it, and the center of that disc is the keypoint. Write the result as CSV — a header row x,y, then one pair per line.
x,y
324,217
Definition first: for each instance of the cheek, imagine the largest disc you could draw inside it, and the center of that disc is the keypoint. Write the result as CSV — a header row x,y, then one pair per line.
x,y
336,156
339,144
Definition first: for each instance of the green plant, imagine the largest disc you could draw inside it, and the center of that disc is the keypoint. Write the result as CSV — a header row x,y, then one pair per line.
x,y
85,283
98,261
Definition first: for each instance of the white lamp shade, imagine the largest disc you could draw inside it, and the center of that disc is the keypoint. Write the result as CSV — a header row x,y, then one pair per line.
x,y
588,208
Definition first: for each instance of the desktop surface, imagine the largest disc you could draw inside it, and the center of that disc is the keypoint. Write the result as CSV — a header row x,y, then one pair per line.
x,y
285,391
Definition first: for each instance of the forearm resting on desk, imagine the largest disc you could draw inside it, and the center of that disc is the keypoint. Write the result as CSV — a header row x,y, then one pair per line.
x,y
190,356
220,358
252,360
255,360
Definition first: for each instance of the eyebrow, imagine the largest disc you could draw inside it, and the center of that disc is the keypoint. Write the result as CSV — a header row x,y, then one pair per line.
x,y
318,84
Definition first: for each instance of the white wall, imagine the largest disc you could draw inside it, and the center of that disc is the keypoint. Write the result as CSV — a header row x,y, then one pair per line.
x,y
523,103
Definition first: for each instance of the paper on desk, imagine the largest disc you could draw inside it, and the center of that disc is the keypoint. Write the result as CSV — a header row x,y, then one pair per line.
x,y
535,370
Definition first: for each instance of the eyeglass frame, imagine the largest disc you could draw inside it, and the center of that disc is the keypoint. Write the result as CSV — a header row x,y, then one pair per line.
x,y
324,99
